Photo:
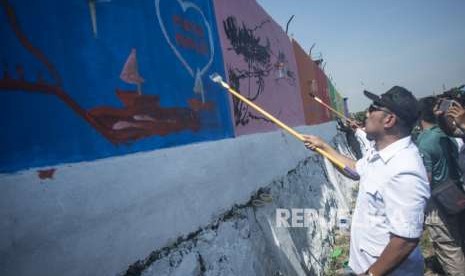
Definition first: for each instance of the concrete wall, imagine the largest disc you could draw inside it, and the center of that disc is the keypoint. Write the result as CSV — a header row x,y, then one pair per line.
x,y
248,241
136,93
97,218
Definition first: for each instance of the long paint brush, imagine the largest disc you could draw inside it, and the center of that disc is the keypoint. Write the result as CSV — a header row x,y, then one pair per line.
x,y
218,79
332,109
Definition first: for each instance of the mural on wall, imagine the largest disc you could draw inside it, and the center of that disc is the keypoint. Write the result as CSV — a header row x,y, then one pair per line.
x,y
142,115
314,112
332,96
259,64
320,87
155,65
336,99
205,47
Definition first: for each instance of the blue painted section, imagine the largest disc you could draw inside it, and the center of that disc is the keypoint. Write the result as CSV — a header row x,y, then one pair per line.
x,y
42,130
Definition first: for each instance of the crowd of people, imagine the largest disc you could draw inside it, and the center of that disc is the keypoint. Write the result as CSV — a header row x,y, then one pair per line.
x,y
410,156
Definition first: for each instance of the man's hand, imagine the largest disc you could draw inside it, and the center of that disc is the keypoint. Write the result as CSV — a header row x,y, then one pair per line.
x,y
457,112
314,142
354,124
447,122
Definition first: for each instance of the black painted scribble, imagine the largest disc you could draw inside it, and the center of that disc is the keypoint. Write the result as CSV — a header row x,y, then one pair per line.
x,y
258,55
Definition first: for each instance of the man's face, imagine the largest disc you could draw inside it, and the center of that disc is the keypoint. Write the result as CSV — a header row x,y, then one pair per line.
x,y
449,127
375,120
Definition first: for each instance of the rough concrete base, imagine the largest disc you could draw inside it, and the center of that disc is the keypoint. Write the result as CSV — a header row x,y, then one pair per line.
x,y
247,241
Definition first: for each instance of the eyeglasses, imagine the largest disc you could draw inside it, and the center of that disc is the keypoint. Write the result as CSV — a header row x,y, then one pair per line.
x,y
375,107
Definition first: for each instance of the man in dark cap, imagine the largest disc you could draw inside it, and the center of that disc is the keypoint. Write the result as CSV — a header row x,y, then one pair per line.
x,y
388,218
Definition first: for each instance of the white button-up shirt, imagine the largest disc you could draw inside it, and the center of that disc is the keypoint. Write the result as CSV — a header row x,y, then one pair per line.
x,y
392,196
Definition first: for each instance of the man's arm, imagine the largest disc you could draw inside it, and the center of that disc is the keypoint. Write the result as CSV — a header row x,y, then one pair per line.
x,y
397,250
313,142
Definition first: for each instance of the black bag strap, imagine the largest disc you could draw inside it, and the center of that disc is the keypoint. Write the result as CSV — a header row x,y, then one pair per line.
x,y
452,159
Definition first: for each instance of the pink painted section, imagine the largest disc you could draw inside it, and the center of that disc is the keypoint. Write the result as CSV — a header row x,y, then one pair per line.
x,y
260,64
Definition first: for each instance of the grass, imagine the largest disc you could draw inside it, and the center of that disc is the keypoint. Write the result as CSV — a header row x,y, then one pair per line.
x,y
337,264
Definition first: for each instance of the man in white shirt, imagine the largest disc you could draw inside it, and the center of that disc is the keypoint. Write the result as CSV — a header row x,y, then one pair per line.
x,y
388,218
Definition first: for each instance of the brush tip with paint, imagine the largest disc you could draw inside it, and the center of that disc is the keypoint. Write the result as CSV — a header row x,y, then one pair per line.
x,y
216,77
311,95
351,173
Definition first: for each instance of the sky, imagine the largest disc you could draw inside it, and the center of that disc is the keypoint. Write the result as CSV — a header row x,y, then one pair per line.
x,y
374,45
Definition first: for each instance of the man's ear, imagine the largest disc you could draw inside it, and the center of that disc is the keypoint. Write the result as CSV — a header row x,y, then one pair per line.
x,y
390,120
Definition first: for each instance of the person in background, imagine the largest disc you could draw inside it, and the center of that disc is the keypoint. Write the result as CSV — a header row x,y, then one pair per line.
x,y
457,113
440,157
352,140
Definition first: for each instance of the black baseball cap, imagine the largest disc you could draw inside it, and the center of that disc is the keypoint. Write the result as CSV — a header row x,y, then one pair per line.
x,y
400,101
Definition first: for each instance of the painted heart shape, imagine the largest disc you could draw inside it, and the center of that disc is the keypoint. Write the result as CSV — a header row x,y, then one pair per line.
x,y
199,72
